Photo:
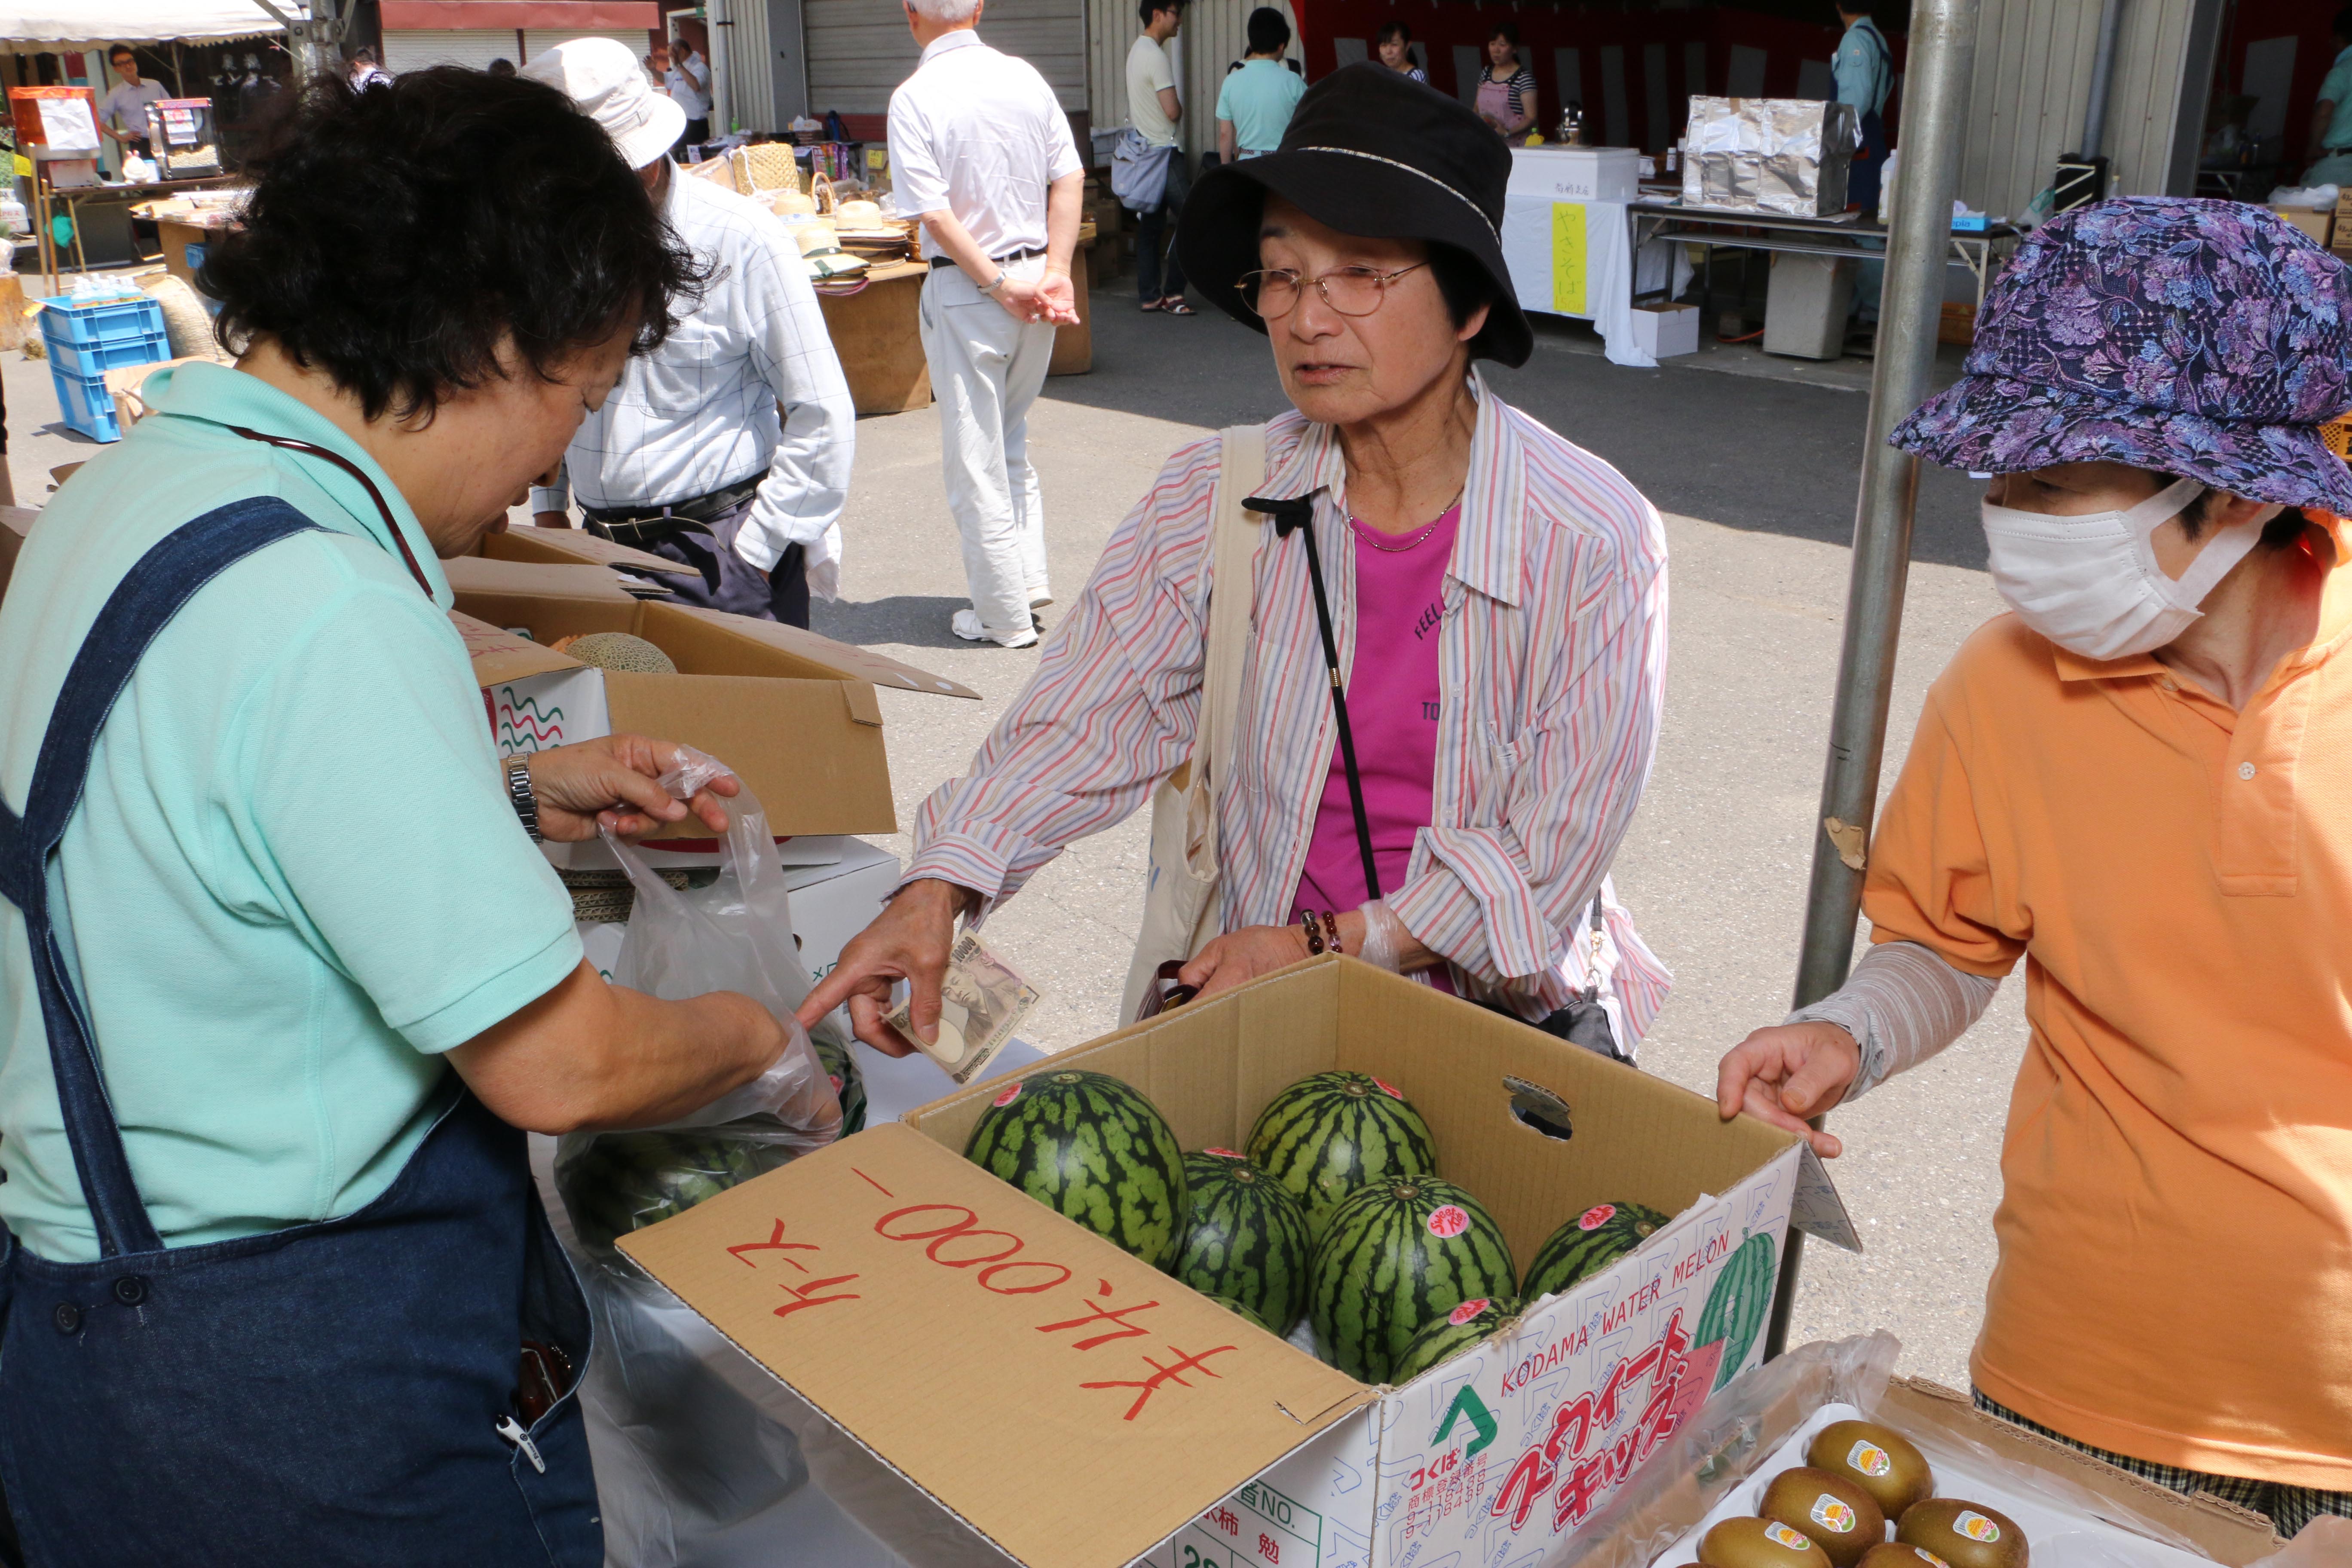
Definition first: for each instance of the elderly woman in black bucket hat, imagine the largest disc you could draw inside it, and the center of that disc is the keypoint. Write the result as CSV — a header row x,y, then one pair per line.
x,y
1433,722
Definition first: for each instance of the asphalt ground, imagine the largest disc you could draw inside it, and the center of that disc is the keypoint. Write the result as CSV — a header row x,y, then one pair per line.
x,y
1755,462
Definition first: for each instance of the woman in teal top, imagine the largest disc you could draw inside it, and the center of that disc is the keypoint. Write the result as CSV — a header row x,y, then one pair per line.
x,y
1255,103
282,971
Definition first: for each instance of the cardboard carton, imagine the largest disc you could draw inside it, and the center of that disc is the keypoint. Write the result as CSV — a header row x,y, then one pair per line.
x,y
2320,225
1078,1409
570,545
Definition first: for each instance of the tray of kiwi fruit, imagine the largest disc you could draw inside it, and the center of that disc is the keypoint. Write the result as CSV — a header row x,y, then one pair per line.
x,y
1845,1492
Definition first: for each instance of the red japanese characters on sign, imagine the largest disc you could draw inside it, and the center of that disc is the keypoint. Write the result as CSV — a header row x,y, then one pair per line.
x,y
1561,1461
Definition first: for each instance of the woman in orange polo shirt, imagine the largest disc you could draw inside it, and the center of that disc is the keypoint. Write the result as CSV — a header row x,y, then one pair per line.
x,y
2141,782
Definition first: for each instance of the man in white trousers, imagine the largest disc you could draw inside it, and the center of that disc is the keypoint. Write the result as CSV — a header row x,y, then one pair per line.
x,y
981,149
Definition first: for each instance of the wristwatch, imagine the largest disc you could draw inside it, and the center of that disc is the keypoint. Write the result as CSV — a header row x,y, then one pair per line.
x,y
526,803
990,288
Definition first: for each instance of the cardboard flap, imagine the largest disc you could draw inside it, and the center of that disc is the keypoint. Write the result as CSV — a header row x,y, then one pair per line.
x,y
571,546
820,655
479,574
1073,1405
499,654
1818,1211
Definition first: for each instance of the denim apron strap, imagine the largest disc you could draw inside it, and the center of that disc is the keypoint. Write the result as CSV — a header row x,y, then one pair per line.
x,y
336,1391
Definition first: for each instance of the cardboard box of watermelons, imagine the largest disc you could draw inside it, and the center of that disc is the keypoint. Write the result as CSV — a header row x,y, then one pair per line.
x,y
1077,1407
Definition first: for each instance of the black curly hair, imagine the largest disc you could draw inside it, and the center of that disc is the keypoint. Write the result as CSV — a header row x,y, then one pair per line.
x,y
402,238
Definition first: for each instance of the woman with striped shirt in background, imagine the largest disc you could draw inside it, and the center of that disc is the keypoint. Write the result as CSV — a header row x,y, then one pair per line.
x,y
1496,601
1507,88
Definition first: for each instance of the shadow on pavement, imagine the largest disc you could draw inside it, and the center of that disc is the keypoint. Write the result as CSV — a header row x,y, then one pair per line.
x,y
916,620
1744,451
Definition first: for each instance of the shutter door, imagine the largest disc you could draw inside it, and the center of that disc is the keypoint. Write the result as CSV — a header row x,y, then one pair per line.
x,y
471,47
539,40
858,53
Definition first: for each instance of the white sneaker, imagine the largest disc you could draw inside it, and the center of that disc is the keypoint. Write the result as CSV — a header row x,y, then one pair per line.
x,y
1040,596
966,626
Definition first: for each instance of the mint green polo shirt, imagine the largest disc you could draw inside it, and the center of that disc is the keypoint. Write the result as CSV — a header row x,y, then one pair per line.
x,y
294,879
2336,88
1258,99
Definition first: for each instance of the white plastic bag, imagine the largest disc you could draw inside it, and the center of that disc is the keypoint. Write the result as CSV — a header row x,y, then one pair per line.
x,y
734,935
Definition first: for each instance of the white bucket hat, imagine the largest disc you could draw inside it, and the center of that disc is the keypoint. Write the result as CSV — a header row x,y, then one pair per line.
x,y
606,80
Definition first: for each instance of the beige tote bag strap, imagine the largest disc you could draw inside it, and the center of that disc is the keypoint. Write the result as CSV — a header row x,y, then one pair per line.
x,y
1232,566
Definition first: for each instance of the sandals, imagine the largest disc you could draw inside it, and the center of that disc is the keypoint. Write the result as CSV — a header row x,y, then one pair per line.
x,y
1175,306
1148,305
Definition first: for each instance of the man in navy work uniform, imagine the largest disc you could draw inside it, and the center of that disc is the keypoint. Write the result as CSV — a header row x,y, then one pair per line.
x,y
1864,72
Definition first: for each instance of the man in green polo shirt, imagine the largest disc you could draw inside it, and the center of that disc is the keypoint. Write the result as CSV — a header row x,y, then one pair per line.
x,y
281,970
1255,103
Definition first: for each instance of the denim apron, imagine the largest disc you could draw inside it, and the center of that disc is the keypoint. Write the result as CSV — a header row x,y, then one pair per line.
x,y
339,1392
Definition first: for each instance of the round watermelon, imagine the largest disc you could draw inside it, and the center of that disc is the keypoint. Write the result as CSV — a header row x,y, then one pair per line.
x,y
1589,1243
1244,1238
1092,1148
1399,1253
1325,1136
1449,1336
1241,1309
848,1084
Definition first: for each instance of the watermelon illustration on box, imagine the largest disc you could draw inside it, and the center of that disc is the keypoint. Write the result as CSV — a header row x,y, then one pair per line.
x,y
1081,1384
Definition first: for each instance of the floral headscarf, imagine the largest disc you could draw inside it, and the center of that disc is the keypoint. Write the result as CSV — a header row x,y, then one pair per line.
x,y
2199,338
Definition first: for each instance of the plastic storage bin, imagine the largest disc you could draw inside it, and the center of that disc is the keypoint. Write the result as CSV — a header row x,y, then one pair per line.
x,y
88,339
88,407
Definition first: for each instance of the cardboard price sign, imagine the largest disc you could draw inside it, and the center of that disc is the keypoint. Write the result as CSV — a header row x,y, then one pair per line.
x,y
887,1269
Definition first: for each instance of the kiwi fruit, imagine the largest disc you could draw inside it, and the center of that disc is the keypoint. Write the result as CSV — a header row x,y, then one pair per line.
x,y
1843,1519
1894,1555
1881,1462
1759,1543
1963,1534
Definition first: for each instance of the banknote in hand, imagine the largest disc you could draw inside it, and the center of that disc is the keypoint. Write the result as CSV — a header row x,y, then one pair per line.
x,y
981,1002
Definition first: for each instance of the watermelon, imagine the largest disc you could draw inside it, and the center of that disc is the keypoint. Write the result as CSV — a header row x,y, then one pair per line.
x,y
1449,1336
614,1183
1588,1244
1240,1309
1244,1238
848,1085
1397,1254
1092,1148
1327,1135
1737,1305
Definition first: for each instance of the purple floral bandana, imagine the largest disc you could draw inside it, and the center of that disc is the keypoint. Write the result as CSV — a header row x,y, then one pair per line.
x,y
2199,338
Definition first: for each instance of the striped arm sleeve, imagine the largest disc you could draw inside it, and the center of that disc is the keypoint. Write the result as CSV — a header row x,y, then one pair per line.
x,y
1902,1004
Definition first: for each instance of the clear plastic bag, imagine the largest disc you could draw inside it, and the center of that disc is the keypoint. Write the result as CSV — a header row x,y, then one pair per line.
x,y
734,935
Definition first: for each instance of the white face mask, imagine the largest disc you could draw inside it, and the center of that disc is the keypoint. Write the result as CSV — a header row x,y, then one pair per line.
x,y
2091,584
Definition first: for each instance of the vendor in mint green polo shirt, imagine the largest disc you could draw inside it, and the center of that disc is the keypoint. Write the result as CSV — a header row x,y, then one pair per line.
x,y
1255,103
282,971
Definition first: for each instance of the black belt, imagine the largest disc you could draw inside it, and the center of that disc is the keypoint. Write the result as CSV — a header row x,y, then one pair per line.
x,y
939,261
635,525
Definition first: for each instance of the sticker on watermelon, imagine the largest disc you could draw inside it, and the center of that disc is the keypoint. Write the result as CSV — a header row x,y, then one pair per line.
x,y
1596,1216
1227,1153
1464,1312
1387,1087
1011,1092
1448,1220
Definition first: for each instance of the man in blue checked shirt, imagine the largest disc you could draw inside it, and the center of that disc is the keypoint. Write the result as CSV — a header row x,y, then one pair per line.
x,y
728,448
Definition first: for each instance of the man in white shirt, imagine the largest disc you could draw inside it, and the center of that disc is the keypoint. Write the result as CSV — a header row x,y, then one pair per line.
x,y
122,112
1154,108
728,448
686,77
981,149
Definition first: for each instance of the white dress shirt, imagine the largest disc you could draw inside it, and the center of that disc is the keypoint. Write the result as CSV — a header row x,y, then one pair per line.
x,y
980,135
688,81
700,413
125,106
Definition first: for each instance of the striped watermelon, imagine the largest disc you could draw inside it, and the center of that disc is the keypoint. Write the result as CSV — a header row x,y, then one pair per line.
x,y
1450,1335
1240,1310
1325,1136
1588,1244
1737,1305
848,1086
1092,1148
1396,1253
1244,1238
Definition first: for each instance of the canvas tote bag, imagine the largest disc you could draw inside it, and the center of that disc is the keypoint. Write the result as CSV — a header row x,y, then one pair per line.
x,y
1182,909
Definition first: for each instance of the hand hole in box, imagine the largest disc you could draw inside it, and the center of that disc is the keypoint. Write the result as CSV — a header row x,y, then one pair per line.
x,y
1539,1109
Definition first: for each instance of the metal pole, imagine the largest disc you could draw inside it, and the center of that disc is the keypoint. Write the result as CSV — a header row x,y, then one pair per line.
x,y
1935,124
2102,70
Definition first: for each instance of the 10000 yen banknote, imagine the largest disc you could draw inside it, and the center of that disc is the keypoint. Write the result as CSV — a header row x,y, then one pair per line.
x,y
981,1002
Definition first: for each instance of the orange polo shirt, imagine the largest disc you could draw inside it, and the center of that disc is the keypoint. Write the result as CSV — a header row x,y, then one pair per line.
x,y
2175,1277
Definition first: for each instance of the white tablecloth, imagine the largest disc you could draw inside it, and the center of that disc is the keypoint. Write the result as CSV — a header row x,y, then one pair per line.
x,y
1575,258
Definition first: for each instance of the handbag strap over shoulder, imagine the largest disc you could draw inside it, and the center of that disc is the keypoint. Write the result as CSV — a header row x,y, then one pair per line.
x,y
1233,548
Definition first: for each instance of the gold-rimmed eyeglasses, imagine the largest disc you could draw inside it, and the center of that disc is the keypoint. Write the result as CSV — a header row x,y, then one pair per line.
x,y
1351,291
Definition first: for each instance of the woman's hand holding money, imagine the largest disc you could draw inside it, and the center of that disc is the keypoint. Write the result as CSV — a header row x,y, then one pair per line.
x,y
909,941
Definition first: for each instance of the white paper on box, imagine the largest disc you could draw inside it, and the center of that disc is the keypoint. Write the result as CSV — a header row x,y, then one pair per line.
x,y
558,708
1502,1453
68,125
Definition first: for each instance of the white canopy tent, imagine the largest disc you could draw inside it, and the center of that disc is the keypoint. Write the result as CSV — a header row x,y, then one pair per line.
x,y
48,25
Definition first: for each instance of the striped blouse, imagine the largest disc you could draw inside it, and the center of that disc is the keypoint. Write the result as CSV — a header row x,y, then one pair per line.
x,y
1552,656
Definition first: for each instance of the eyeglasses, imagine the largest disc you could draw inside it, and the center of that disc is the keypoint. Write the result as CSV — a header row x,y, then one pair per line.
x,y
1350,291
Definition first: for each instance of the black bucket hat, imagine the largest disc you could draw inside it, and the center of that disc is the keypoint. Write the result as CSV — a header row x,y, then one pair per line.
x,y
1369,151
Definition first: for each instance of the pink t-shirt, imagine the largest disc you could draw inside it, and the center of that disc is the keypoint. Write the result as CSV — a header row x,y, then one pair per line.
x,y
1392,697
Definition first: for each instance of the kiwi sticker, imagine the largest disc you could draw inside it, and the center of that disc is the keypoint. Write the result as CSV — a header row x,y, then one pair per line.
x,y
1832,1515
1777,1531
1868,1457
1974,1526
1006,1095
1464,1312
1448,1220
1596,1216
1931,1557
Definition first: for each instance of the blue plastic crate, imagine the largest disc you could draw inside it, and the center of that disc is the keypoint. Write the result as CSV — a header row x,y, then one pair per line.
x,y
88,407
101,335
